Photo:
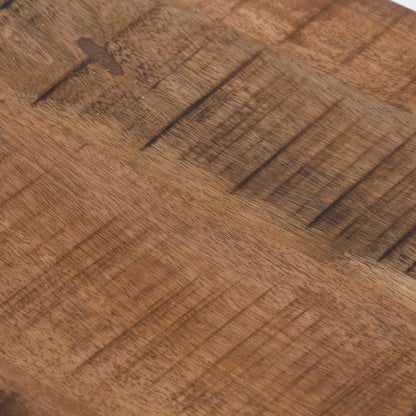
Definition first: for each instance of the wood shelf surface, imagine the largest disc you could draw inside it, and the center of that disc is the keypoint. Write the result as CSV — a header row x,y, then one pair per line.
x,y
207,208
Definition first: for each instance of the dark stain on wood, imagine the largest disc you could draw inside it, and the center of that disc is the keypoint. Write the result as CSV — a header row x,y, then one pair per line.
x,y
100,55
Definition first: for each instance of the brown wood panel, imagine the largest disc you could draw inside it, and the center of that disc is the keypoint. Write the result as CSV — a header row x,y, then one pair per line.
x,y
193,223
163,301
39,39
274,129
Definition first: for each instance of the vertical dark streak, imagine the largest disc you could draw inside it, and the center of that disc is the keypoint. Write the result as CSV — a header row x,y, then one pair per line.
x,y
374,205
363,47
23,189
394,223
410,269
125,333
137,21
311,19
286,185
256,123
403,88
233,9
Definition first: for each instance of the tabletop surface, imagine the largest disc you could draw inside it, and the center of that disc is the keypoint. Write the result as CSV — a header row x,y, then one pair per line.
x,y
207,207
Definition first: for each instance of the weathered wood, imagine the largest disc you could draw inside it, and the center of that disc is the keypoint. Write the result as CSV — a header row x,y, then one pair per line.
x,y
274,128
134,294
194,223
368,43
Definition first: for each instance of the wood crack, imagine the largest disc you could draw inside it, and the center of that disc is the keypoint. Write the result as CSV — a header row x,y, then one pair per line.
x,y
201,100
282,149
67,76
397,244
373,39
325,212
24,188
152,309
411,268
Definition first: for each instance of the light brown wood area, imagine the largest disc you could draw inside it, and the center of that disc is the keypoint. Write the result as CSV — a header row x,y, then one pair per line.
x,y
367,43
207,208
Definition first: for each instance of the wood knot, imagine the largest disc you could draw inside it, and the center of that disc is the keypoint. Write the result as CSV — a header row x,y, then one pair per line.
x,y
100,55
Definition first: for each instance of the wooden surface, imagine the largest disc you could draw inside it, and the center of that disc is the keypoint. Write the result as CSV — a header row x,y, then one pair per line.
x,y
207,208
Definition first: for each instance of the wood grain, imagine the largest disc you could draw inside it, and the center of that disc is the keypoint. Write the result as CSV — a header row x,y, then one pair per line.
x,y
367,43
196,221
321,168
143,296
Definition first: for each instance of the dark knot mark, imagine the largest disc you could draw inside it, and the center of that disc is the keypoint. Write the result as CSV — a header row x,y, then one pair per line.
x,y
100,55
